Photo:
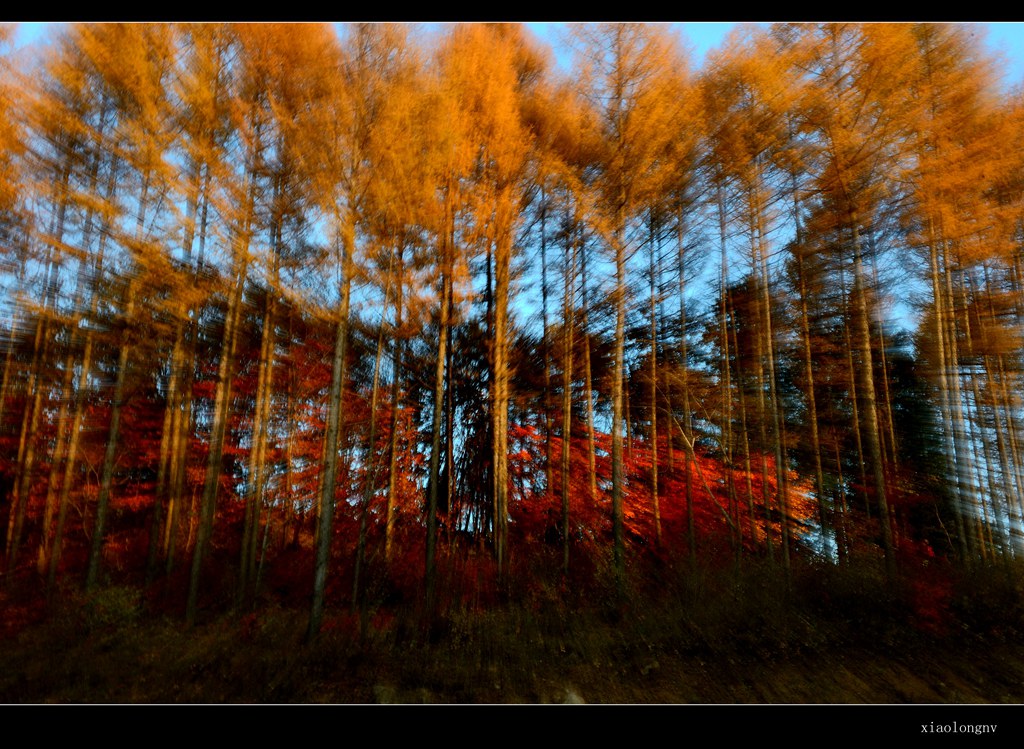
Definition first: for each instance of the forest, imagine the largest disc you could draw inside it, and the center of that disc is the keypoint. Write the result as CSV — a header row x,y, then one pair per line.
x,y
392,329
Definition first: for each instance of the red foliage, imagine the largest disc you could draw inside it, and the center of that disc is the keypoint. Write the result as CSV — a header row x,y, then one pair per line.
x,y
715,516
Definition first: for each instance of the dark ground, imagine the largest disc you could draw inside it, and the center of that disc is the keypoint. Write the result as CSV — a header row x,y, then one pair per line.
x,y
747,645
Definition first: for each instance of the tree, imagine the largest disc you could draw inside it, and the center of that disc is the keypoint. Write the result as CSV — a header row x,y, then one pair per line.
x,y
954,140
754,89
133,62
854,111
345,122
250,118
627,73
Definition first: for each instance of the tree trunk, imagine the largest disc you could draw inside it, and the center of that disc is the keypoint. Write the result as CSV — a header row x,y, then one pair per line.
x,y
332,441
430,574
812,409
618,374
588,384
567,373
687,425
392,510
370,477
653,392
503,258
107,473
870,407
26,445
221,413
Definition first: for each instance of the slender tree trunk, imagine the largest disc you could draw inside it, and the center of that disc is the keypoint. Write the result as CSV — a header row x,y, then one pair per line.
x,y
447,260
164,464
728,448
450,507
653,392
887,416
762,408
117,403
870,408
588,384
81,391
840,513
435,452
545,342
183,413
30,421
745,434
107,474
812,408
332,441
1014,465
181,431
170,449
221,411
58,457
26,444
370,478
945,406
854,389
503,257
34,390
257,454
618,375
288,513
63,437
392,509
222,395
781,480
969,497
687,425
254,499
1004,436
70,461
567,375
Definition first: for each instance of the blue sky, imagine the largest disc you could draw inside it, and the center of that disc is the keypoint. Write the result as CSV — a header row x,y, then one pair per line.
x,y
1005,38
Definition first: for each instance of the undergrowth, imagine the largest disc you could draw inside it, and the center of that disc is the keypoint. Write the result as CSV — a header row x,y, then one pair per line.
x,y
522,646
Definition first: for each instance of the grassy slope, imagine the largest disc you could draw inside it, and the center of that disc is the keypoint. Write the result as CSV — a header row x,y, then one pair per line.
x,y
833,639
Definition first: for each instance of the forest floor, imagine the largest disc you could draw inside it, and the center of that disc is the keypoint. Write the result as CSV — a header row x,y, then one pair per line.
x,y
748,646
